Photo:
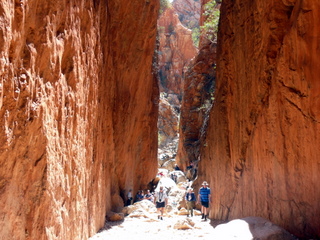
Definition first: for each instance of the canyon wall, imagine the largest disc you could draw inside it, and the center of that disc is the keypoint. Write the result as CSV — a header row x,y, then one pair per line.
x,y
188,12
196,103
78,106
176,49
197,99
175,52
261,155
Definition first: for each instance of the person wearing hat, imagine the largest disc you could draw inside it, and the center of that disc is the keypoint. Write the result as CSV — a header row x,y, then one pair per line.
x,y
161,199
204,197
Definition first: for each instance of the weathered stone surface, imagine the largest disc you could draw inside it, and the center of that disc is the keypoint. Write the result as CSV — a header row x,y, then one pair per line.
x,y
262,146
175,52
251,228
114,217
78,110
196,103
184,224
168,123
170,164
180,176
182,211
188,12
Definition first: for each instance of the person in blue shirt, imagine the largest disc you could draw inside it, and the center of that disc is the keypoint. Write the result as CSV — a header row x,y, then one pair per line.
x,y
190,200
148,196
204,197
139,196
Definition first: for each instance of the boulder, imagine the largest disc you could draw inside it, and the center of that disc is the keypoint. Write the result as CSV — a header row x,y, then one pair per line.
x,y
114,217
169,164
251,228
184,224
139,213
146,205
182,211
167,183
180,176
169,208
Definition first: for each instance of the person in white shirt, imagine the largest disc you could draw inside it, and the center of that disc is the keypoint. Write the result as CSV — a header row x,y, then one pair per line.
x,y
161,200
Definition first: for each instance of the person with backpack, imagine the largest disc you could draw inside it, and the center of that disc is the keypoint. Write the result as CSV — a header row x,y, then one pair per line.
x,y
204,197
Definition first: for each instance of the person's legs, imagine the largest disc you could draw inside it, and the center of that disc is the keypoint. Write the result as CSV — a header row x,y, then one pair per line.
x,y
188,207
206,211
161,210
191,208
202,211
158,212
158,209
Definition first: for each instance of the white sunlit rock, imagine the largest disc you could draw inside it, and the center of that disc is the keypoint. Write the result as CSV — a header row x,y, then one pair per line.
x,y
139,213
184,224
180,176
250,228
183,211
165,182
146,205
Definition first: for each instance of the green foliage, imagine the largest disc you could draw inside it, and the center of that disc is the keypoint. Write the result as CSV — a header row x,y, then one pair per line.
x,y
210,26
161,29
164,4
196,36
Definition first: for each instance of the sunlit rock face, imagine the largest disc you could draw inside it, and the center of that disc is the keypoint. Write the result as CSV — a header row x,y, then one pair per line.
x,y
176,49
168,123
198,94
78,106
188,12
175,52
261,156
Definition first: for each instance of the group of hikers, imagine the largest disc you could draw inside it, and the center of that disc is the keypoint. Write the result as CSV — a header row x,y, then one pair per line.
x,y
160,199
204,198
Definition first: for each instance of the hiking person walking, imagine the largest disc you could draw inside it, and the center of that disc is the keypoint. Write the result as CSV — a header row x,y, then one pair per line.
x,y
161,199
190,200
204,198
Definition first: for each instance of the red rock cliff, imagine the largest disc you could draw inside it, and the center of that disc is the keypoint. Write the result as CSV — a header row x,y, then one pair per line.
x,y
196,104
78,106
262,150
188,12
175,51
197,99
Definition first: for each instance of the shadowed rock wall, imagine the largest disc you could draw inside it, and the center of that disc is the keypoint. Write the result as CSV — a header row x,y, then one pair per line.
x,y
196,104
261,155
78,107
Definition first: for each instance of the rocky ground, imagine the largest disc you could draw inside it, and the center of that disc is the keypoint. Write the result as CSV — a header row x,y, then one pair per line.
x,y
140,220
141,227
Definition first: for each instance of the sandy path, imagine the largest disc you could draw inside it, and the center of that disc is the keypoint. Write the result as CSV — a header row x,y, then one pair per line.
x,y
140,228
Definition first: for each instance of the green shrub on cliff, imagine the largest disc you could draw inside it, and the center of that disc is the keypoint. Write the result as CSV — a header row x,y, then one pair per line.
x,y
196,36
210,26
164,4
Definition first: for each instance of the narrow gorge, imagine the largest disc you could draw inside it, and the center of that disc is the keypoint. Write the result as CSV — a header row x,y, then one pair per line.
x,y
82,84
